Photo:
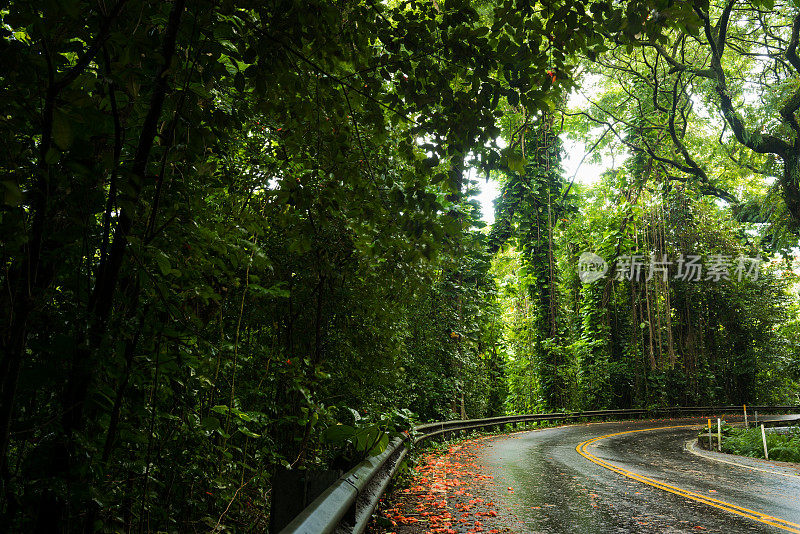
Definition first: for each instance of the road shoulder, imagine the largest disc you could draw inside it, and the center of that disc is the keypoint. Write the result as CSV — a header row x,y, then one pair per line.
x,y
787,469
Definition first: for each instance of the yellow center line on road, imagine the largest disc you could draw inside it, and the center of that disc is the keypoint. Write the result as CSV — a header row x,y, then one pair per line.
x,y
710,501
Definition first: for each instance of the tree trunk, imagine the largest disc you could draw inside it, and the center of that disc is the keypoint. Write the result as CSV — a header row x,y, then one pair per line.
x,y
790,185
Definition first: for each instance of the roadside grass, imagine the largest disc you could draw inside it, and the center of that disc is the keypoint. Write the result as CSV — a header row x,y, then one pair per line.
x,y
783,447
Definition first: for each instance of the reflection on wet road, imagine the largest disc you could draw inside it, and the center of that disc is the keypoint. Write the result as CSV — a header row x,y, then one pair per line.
x,y
557,490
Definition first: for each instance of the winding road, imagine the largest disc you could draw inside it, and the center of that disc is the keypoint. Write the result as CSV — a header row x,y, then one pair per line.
x,y
627,477
614,485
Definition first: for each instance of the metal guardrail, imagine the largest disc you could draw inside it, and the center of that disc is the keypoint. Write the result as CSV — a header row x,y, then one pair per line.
x,y
347,505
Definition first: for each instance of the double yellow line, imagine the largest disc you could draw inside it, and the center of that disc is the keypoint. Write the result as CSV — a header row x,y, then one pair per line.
x,y
716,503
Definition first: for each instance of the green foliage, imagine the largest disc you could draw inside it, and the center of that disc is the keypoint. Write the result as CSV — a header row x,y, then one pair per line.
x,y
782,447
225,225
632,343
229,226
367,437
531,208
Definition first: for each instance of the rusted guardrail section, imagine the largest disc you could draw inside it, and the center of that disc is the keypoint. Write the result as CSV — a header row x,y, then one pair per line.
x,y
347,505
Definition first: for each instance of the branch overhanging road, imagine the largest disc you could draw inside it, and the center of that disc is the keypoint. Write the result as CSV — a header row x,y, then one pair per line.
x,y
598,478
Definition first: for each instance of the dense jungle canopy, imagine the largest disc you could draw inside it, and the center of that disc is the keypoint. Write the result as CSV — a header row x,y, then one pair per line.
x,y
241,236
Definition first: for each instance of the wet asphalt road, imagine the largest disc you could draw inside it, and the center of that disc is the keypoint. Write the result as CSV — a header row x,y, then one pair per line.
x,y
555,490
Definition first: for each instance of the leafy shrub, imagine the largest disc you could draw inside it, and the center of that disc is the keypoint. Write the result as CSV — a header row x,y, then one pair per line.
x,y
367,436
782,447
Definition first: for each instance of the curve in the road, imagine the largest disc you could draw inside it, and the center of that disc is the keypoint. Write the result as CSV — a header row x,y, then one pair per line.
x,y
691,446
582,449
